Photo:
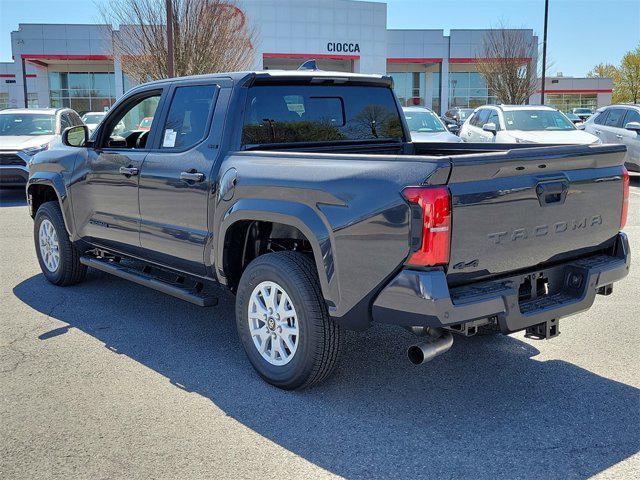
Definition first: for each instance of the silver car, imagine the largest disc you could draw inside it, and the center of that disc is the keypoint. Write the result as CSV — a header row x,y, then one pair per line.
x,y
425,126
25,132
619,124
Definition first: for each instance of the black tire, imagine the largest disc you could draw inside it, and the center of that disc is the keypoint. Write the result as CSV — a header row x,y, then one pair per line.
x,y
69,271
320,339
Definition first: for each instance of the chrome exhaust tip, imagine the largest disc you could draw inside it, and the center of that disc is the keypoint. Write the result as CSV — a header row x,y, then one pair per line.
x,y
436,343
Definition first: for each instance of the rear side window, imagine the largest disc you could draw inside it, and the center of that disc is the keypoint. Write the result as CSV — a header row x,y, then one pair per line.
x,y
632,116
188,116
614,119
316,113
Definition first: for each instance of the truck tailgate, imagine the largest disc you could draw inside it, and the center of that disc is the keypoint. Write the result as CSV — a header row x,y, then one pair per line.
x,y
521,208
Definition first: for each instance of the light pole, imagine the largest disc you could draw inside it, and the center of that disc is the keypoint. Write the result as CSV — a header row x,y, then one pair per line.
x,y
544,49
170,71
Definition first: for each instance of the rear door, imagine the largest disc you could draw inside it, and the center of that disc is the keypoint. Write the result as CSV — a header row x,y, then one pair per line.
x,y
524,207
176,178
630,138
612,125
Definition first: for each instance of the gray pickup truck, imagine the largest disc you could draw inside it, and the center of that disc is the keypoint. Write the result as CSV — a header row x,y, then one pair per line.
x,y
303,195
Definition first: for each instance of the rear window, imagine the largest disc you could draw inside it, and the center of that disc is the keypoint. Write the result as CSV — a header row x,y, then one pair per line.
x,y
316,113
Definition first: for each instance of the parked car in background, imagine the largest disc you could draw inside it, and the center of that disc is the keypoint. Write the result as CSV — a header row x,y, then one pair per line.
x,y
425,126
619,124
25,132
457,115
93,119
583,113
522,124
577,121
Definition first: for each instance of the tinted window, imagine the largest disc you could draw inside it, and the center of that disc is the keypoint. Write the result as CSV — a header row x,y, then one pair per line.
x,y
65,122
532,120
26,124
423,121
614,119
188,115
123,128
493,118
632,116
601,117
480,117
315,113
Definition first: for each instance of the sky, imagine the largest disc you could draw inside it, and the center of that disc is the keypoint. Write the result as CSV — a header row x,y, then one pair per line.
x,y
582,33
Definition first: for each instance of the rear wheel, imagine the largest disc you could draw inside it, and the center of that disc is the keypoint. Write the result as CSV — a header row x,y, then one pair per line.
x,y
59,259
283,323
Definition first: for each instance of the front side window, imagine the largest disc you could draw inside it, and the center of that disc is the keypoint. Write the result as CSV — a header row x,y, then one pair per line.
x,y
187,118
632,116
124,130
20,124
423,121
532,120
495,119
315,113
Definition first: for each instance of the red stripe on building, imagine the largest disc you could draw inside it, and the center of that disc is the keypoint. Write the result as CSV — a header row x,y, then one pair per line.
x,y
7,75
413,60
475,60
31,75
311,56
66,57
604,90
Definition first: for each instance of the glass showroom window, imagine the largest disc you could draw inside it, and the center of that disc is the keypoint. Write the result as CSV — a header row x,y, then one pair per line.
x,y
4,100
566,102
469,90
82,91
409,87
435,92
32,100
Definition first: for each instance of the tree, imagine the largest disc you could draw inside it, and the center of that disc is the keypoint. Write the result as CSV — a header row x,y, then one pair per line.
x,y
208,36
505,62
603,70
629,76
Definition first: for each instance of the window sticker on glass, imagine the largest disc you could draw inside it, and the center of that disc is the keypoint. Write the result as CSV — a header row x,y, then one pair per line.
x,y
169,138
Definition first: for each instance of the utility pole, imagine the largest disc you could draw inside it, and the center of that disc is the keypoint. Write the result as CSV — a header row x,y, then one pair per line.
x,y
544,50
170,39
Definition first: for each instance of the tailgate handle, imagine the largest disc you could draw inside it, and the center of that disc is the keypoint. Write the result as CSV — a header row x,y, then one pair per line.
x,y
552,193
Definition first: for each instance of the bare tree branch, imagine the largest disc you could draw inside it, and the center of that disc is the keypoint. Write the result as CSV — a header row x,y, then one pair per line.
x,y
208,36
505,62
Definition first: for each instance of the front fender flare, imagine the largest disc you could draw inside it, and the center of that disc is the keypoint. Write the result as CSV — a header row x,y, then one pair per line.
x,y
56,182
294,214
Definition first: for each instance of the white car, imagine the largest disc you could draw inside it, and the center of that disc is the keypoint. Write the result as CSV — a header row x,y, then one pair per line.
x,y
25,132
93,119
425,126
618,124
522,124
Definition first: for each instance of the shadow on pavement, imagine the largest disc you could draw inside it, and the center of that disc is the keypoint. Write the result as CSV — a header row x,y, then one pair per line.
x,y
12,197
487,409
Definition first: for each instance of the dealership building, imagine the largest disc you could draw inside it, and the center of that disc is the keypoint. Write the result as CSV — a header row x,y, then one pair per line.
x,y
73,65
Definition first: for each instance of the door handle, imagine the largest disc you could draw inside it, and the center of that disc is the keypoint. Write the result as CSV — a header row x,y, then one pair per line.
x,y
192,176
619,136
598,132
129,171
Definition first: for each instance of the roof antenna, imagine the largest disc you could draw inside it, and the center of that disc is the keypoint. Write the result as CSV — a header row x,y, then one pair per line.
x,y
309,65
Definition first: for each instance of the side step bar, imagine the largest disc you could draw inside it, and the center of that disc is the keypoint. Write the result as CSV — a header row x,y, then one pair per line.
x,y
178,288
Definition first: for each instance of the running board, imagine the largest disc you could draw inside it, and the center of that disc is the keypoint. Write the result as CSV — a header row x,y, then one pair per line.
x,y
179,286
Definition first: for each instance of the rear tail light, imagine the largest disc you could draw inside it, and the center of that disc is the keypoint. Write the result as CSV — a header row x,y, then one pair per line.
x,y
625,197
431,212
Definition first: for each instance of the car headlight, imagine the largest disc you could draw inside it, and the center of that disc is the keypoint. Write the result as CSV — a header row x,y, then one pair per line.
x,y
31,151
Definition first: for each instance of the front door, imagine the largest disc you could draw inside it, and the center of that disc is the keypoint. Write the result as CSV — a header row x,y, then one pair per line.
x,y
176,179
105,194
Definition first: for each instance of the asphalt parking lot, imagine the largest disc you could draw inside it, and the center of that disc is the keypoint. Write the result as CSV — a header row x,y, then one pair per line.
x,y
110,380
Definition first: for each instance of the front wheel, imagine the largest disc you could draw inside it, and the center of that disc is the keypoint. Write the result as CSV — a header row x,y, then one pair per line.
x,y
59,259
283,322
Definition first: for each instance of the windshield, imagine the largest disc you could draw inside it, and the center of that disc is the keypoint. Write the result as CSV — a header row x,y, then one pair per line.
x,y
26,124
423,121
531,120
94,118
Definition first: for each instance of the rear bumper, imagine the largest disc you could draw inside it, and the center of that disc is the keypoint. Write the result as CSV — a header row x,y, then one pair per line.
x,y
423,298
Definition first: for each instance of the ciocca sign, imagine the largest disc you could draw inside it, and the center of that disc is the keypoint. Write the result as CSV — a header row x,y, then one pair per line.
x,y
343,47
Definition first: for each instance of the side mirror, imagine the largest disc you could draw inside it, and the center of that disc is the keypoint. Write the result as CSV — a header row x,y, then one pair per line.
x,y
76,136
490,127
633,126
453,128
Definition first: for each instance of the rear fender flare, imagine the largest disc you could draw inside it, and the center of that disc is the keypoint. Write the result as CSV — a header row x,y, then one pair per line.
x,y
294,214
